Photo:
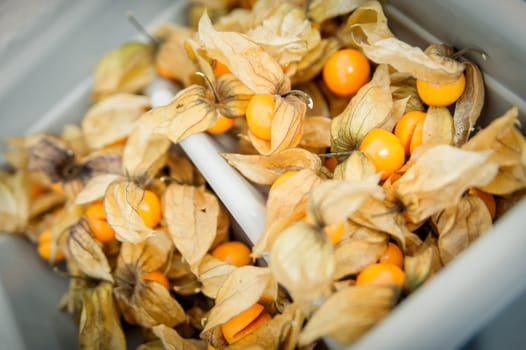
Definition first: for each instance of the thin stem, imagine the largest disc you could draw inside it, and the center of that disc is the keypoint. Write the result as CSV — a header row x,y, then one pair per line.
x,y
465,50
305,97
335,154
210,85
133,20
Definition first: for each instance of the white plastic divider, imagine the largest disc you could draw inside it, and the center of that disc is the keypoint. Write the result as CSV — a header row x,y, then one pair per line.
x,y
242,200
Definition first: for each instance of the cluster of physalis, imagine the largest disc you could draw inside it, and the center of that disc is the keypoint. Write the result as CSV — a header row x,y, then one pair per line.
x,y
375,177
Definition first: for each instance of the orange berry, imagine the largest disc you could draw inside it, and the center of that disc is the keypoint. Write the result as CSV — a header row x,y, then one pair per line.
x,y
57,187
281,179
210,347
98,224
44,247
405,127
244,323
346,71
381,274
36,190
488,199
330,163
157,276
384,150
163,71
118,142
233,252
440,94
220,69
335,232
392,255
222,125
259,113
150,209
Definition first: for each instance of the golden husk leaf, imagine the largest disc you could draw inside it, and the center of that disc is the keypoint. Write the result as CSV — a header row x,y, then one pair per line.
x,y
191,214
120,204
460,225
438,127
281,332
100,326
248,61
438,178
316,134
212,274
87,253
265,170
45,153
312,63
370,108
95,188
128,68
15,199
363,307
320,10
302,260
244,287
171,339
286,204
469,105
74,137
420,266
353,254
232,96
509,151
112,119
357,167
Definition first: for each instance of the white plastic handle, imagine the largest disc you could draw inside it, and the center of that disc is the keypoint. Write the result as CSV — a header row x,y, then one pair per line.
x,y
242,200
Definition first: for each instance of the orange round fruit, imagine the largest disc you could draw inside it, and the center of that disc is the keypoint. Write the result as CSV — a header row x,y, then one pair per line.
x,y
233,252
440,95
405,128
244,323
223,124
384,150
283,177
381,274
259,113
150,209
335,232
98,224
488,199
346,71
157,276
392,255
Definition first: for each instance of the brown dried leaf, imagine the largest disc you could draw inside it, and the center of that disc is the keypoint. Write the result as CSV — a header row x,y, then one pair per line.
x,y
286,204
244,287
212,274
281,332
100,326
460,225
509,151
249,62
120,204
363,307
438,178
191,215
302,260
438,127
112,119
87,252
128,68
353,254
320,10
370,108
469,105
171,340
265,170
15,199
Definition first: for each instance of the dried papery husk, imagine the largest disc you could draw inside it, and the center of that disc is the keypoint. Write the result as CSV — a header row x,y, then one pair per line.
x,y
233,96
171,57
182,171
363,307
370,108
509,151
302,260
286,204
15,153
312,63
120,204
62,222
144,302
170,339
287,35
368,21
244,287
281,332
50,155
126,69
87,253
112,119
265,170
212,274
334,201
460,225
356,167
316,134
421,266
320,10
438,127
73,136
287,125
439,176
45,202
95,188
192,216
407,89
469,105
15,199
354,254
100,326
320,106
249,62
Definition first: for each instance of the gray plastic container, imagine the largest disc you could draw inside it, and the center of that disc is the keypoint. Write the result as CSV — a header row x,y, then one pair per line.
x,y
46,65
